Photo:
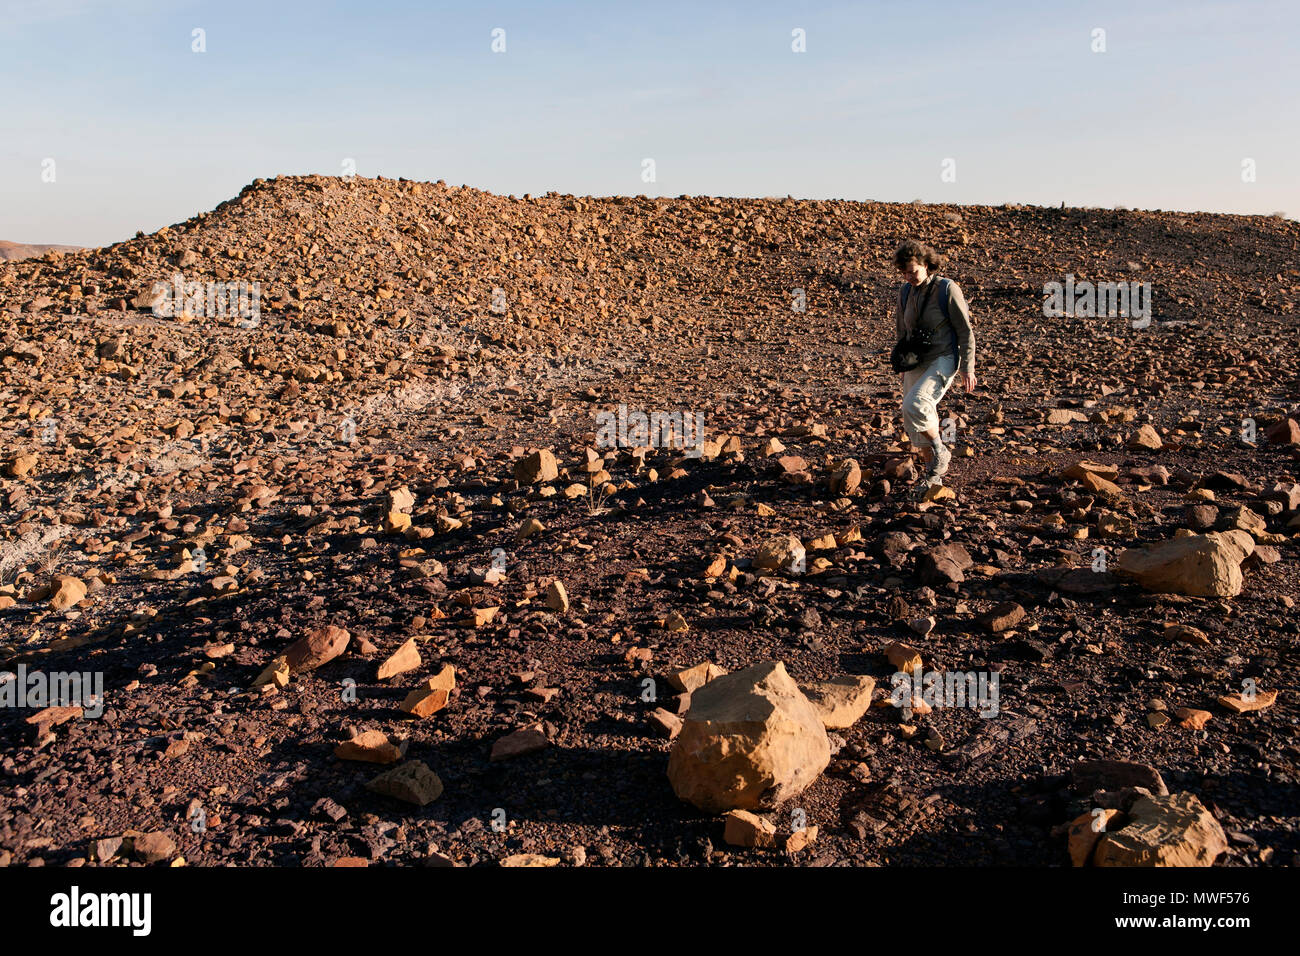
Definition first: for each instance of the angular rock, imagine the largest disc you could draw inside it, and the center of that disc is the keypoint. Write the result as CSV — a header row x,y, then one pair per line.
x,y
405,658
841,701
1243,704
275,673
557,598
750,740
781,553
1086,831
904,657
319,647
1196,565
20,466
370,746
431,694
521,742
1090,775
1171,830
943,565
1002,618
846,478
668,723
530,860
748,829
412,782
1146,437
800,839
68,591
540,466
689,679
1285,432
156,847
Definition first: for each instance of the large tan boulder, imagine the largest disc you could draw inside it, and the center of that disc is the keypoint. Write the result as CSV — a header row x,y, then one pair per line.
x,y
1199,565
1174,830
750,740
783,552
68,590
539,466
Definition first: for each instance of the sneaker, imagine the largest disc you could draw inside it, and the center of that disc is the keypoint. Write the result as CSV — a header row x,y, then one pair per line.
x,y
939,463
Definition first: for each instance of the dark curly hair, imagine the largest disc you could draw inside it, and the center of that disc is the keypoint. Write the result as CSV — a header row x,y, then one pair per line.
x,y
912,251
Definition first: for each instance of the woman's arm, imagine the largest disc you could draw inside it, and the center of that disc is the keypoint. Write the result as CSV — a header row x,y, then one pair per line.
x,y
959,315
898,314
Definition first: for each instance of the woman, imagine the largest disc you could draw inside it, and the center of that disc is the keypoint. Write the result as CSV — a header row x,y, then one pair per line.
x,y
930,302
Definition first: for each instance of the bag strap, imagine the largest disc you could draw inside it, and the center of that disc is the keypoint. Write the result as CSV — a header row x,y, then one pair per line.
x,y
943,297
902,297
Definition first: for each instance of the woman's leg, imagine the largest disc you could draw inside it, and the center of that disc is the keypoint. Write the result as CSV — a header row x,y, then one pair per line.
x,y
925,387
909,385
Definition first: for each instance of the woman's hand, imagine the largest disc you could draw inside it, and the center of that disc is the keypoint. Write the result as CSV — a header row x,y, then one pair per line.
x,y
969,381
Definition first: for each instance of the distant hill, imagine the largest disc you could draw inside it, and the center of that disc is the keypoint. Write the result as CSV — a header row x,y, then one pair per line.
x,y
23,250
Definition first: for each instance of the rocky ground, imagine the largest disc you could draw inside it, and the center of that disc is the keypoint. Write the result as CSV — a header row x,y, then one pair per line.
x,y
191,502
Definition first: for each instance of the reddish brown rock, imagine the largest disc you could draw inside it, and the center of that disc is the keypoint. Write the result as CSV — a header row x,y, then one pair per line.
x,y
432,694
521,742
318,647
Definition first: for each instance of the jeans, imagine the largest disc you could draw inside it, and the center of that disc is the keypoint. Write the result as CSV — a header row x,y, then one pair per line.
x,y
923,387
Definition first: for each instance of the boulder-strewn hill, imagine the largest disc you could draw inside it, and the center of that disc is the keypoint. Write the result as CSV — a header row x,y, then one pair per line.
x,y
23,250
190,497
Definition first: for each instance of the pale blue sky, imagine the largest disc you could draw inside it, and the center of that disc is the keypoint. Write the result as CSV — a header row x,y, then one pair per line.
x,y
144,132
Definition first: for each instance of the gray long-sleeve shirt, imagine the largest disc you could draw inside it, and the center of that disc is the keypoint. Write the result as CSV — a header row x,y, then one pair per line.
x,y
956,329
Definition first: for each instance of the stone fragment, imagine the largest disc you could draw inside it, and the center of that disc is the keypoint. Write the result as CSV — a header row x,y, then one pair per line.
x,y
155,847
275,673
1190,718
1086,831
521,742
943,565
800,839
840,701
370,746
904,657
412,782
431,694
557,598
1004,617
20,466
530,860
316,648
405,658
748,829
1146,437
1090,775
689,679
1249,703
67,591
